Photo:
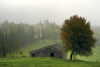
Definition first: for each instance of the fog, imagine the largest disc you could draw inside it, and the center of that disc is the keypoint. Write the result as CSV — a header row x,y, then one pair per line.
x,y
32,11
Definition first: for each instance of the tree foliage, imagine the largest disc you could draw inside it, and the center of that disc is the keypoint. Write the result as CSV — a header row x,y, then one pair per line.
x,y
3,47
42,34
77,36
38,34
16,49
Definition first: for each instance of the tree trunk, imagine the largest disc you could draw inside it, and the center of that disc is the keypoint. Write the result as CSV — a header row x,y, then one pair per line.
x,y
71,55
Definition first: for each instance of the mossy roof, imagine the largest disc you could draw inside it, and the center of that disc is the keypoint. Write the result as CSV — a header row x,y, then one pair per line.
x,y
55,46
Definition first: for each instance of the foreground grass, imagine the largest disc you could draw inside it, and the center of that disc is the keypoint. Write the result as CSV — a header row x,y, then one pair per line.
x,y
45,62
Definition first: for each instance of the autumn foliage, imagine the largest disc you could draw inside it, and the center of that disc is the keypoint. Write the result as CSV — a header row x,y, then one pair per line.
x,y
77,36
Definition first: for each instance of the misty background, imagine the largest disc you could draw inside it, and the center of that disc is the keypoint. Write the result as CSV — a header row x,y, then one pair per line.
x,y
37,23
32,11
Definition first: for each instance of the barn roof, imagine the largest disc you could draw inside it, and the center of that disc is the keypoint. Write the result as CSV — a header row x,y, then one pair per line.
x,y
55,46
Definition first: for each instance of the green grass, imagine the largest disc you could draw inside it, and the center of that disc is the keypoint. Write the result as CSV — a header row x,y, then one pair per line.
x,y
45,62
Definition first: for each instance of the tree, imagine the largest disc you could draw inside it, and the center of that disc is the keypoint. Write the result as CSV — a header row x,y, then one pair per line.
x,y
42,34
16,47
32,33
5,26
54,36
77,37
38,34
3,47
6,44
9,43
58,31
0,42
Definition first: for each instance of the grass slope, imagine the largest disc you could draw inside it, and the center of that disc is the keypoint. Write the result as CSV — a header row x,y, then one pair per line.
x,y
45,62
35,45
95,57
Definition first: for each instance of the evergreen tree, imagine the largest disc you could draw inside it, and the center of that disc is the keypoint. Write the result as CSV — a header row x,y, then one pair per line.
x,y
6,44
9,43
58,31
23,37
3,47
0,42
54,36
32,34
38,34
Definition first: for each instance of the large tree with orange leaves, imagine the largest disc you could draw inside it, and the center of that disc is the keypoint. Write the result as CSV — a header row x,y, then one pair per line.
x,y
77,36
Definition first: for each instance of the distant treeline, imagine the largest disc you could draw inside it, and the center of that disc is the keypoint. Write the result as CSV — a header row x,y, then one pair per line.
x,y
25,34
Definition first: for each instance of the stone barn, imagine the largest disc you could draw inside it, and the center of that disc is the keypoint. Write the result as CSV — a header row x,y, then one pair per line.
x,y
53,50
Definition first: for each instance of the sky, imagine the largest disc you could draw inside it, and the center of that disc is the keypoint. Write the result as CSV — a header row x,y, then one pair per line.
x,y
32,11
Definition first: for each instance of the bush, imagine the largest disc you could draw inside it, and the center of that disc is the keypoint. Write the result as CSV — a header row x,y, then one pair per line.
x,y
12,56
21,52
97,61
75,58
24,56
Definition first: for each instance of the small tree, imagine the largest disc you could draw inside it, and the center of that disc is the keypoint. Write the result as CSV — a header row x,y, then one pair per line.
x,y
16,49
77,37
54,36
38,34
3,47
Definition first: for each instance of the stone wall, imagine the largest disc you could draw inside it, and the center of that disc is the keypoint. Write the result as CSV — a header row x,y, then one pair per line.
x,y
64,55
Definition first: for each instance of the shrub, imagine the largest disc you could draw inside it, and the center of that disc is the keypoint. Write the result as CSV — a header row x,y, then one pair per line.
x,y
12,56
24,56
21,52
97,61
75,58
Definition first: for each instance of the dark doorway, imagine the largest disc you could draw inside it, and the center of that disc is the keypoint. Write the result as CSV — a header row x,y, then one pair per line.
x,y
52,54
32,55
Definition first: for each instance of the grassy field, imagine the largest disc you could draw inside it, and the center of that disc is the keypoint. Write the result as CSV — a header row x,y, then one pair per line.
x,y
45,62
25,49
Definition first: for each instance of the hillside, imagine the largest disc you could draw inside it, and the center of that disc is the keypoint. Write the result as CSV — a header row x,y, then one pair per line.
x,y
25,49
35,45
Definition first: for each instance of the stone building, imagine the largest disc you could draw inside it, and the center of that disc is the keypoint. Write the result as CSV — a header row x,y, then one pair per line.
x,y
53,50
